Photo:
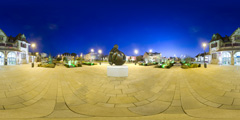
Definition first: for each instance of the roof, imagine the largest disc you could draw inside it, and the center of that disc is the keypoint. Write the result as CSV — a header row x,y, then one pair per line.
x,y
11,39
226,39
3,32
235,31
202,54
216,37
152,53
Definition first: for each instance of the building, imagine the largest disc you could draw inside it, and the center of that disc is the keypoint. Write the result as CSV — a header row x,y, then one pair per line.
x,y
150,57
200,57
225,50
131,58
94,56
13,50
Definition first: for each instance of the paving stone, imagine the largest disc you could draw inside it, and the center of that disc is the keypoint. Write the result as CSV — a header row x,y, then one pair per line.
x,y
155,107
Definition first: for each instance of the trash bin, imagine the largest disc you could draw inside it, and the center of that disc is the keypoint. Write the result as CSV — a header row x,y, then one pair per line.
x,y
205,65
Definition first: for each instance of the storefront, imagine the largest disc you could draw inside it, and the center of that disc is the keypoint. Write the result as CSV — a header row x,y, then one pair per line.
x,y
226,58
1,58
237,58
11,58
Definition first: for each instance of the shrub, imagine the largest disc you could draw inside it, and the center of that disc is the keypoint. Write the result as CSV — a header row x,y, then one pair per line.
x,y
169,66
79,65
47,65
158,66
184,66
199,65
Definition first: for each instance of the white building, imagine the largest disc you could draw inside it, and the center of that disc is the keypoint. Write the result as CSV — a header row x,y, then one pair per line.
x,y
200,57
225,50
93,56
131,58
150,57
13,50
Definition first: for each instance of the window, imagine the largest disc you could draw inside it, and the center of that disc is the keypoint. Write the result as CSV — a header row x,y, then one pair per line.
x,y
214,45
23,56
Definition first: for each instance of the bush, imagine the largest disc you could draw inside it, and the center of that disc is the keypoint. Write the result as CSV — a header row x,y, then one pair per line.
x,y
47,65
169,66
89,63
184,66
79,65
158,66
199,65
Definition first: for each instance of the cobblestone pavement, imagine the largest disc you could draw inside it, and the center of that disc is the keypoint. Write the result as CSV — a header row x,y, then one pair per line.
x,y
147,93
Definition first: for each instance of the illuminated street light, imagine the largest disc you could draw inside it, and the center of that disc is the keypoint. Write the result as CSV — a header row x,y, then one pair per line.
x,y
136,52
81,57
33,45
100,54
92,50
204,47
150,50
100,51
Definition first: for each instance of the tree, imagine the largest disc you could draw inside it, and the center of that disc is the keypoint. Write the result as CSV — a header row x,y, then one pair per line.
x,y
59,59
139,58
188,59
74,54
65,59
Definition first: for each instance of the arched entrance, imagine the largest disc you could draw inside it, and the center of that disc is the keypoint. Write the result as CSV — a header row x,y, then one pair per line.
x,y
226,58
237,58
11,57
1,58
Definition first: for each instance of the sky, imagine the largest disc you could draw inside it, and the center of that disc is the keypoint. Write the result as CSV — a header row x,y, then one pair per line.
x,y
75,26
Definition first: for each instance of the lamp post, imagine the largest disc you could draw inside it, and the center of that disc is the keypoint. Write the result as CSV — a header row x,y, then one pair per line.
x,y
33,45
37,56
204,46
136,52
100,52
81,58
92,50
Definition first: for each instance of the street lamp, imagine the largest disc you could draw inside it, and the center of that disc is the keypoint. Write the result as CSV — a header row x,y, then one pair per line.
x,y
33,45
204,46
136,52
150,50
100,52
81,57
92,50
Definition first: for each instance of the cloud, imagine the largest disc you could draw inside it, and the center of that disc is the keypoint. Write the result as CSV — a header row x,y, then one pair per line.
x,y
52,26
194,29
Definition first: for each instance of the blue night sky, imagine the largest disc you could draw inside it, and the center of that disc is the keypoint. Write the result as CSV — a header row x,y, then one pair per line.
x,y
169,26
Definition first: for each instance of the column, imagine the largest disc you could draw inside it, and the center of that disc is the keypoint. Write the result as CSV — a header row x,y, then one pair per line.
x,y
232,58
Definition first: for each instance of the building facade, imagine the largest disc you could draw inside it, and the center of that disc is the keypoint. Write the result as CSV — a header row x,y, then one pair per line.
x,y
225,50
13,50
93,56
150,57
200,58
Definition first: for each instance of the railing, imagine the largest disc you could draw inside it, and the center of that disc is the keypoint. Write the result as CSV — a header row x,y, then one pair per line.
x,y
231,45
7,45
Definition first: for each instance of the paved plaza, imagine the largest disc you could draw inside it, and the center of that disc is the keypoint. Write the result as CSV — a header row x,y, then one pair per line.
x,y
147,93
